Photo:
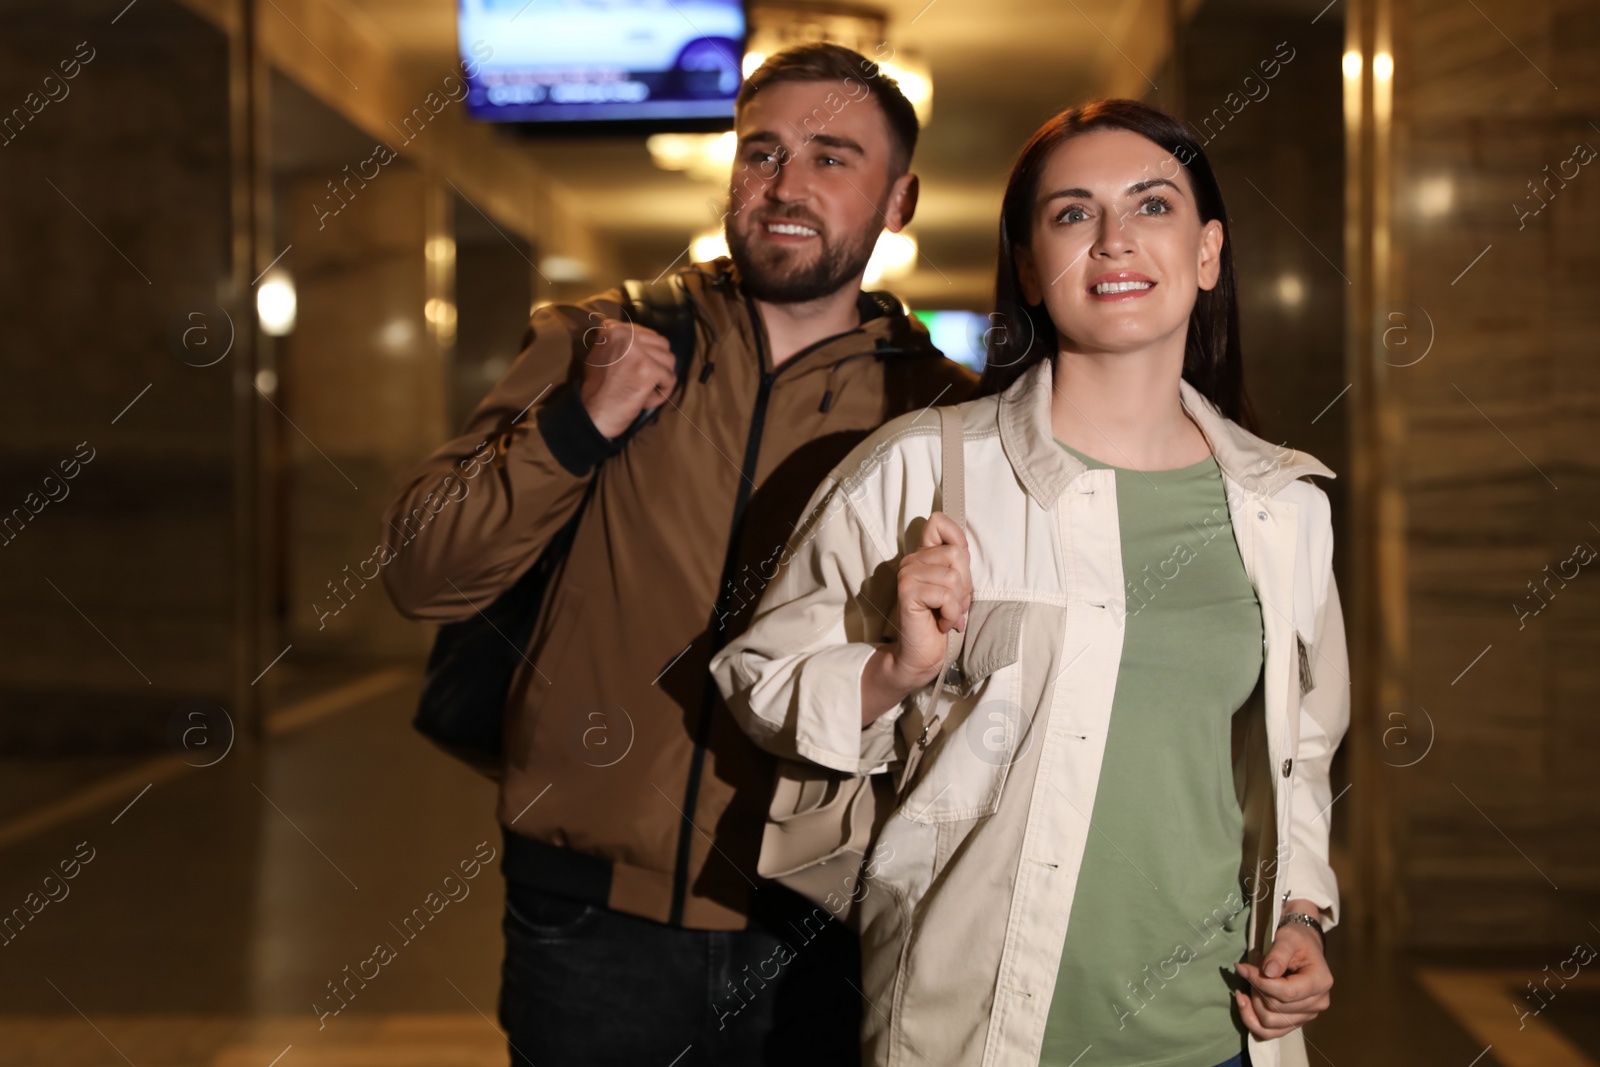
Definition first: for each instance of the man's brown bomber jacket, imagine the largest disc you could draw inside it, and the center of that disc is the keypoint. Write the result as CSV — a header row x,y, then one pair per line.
x,y
627,782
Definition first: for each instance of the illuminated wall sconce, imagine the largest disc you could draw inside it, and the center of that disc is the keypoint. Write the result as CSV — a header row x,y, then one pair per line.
x,y
1290,290
275,303
441,315
1383,66
1435,196
1352,65
397,335
440,250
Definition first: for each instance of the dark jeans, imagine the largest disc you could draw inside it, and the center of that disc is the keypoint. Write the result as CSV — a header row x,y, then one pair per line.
x,y
584,985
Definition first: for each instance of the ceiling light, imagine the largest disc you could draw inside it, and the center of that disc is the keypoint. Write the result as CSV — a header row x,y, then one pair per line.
x,y
915,81
558,269
705,157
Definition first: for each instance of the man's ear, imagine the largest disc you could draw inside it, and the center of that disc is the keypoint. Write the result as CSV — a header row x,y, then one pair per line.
x,y
1210,255
1032,293
902,202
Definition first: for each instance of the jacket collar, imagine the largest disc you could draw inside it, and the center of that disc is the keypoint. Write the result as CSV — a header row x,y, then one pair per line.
x,y
1045,468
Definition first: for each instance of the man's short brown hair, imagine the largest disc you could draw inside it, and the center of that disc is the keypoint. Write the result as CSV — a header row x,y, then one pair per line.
x,y
821,61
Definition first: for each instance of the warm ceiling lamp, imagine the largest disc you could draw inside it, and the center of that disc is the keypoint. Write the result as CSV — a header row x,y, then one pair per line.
x,y
705,157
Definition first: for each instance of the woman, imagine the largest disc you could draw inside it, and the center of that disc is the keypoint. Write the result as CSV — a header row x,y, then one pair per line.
x,y
1127,801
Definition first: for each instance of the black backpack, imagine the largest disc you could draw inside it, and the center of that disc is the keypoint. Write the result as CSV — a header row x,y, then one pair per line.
x,y
468,681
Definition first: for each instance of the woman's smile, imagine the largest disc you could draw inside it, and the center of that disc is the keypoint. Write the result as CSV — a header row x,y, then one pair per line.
x,y
1120,285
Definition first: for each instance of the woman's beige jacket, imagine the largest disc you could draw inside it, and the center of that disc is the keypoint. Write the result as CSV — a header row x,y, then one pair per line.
x,y
965,904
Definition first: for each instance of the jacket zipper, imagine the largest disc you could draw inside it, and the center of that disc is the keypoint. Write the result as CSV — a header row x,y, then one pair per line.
x,y
747,474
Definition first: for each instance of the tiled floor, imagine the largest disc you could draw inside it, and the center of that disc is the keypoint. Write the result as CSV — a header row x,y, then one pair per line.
x,y
215,908
211,915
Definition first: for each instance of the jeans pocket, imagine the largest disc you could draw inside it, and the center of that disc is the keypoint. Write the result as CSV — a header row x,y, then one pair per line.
x,y
545,916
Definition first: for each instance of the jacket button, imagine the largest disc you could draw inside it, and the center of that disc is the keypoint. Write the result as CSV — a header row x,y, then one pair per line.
x,y
1262,515
1287,765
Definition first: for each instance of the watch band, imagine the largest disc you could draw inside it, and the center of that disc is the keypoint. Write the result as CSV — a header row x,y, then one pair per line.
x,y
1302,918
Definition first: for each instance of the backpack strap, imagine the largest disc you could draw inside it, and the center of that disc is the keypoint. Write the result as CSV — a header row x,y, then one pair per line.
x,y
953,502
663,306
952,453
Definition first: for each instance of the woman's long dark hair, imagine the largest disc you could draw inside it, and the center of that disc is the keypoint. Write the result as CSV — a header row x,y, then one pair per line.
x,y
1023,334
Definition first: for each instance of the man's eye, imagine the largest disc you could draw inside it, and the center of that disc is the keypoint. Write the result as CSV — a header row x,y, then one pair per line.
x,y
830,160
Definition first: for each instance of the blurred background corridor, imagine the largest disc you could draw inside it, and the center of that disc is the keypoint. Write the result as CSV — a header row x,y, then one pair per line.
x,y
260,259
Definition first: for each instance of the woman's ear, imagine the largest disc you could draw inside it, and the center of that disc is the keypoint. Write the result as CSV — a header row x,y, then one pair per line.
x,y
1022,258
1210,254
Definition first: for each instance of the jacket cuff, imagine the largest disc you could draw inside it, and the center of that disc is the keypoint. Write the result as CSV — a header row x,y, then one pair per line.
x,y
828,712
571,435
1316,882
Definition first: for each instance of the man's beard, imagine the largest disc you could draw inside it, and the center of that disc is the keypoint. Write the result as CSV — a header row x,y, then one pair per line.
x,y
773,277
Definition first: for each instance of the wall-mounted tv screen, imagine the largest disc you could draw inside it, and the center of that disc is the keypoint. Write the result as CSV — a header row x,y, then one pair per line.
x,y
671,64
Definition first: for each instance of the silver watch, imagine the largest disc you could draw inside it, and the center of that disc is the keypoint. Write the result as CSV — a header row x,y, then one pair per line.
x,y
1302,918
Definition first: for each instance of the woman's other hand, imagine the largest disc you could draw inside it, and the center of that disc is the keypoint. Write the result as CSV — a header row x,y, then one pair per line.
x,y
1290,986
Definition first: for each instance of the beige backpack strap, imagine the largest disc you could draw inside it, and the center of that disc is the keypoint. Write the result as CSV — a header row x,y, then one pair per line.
x,y
953,480
953,502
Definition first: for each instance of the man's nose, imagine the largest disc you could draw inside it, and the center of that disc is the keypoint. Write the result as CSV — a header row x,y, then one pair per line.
x,y
790,185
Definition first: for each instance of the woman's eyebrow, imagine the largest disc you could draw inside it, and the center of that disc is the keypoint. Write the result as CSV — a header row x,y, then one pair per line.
x,y
1133,190
1067,194
1138,187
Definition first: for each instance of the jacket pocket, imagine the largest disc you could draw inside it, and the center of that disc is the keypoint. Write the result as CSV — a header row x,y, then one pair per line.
x,y
994,639
983,728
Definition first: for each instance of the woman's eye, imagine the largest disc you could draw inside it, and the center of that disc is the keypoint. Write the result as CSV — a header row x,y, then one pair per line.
x,y
1155,205
1072,214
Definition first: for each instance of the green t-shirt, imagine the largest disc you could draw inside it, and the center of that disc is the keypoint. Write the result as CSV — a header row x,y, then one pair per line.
x,y
1159,915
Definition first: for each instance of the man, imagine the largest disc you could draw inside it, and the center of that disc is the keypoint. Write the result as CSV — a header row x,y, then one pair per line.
x,y
637,931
